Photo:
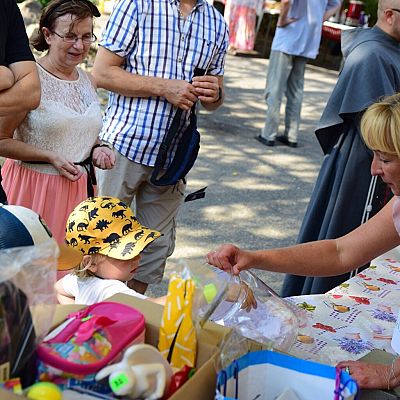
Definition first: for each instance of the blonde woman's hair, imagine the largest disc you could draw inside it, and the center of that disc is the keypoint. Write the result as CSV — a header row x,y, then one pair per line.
x,y
380,125
82,270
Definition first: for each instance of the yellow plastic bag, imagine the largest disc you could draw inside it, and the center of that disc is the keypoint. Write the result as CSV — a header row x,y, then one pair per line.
x,y
177,339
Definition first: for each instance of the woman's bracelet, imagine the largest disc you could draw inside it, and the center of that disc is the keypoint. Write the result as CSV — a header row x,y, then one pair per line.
x,y
391,374
99,145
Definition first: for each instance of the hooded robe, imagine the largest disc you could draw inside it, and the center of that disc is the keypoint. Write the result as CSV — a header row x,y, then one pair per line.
x,y
345,194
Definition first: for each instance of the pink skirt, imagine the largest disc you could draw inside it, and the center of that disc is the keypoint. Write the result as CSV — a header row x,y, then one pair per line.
x,y
53,197
242,26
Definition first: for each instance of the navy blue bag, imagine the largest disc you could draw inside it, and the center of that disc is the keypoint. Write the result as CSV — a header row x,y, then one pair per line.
x,y
185,155
186,151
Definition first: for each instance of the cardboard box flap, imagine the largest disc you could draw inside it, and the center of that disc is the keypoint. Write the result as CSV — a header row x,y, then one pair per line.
x,y
202,385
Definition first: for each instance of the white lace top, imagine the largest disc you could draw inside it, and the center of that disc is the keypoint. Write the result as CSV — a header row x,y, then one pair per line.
x,y
67,121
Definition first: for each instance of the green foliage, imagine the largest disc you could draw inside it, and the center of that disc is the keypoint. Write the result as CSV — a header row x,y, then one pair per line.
x,y
44,3
371,7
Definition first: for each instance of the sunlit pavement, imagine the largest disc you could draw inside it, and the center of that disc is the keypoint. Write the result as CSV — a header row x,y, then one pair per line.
x,y
256,195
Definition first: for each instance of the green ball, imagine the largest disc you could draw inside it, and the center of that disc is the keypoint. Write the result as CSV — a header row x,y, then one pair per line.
x,y
209,292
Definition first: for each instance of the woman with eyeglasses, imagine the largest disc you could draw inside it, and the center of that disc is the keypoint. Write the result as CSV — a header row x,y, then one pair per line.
x,y
51,153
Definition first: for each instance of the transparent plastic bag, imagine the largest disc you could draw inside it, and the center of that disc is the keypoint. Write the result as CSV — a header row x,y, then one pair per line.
x,y
273,322
210,290
27,304
243,302
232,347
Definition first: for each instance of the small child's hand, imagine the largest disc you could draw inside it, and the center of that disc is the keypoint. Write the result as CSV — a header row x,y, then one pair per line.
x,y
233,294
7,79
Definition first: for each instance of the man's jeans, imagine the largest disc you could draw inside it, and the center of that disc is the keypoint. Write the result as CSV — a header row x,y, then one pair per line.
x,y
285,75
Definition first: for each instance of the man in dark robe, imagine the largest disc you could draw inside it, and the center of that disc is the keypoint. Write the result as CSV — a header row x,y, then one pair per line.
x,y
345,195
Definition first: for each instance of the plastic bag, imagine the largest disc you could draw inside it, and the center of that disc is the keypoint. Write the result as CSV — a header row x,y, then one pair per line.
x,y
27,304
274,322
211,288
244,302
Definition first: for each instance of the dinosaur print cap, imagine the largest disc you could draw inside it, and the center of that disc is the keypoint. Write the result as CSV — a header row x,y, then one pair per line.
x,y
106,225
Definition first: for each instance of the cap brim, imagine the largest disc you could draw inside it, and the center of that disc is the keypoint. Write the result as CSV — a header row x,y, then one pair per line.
x,y
128,247
68,258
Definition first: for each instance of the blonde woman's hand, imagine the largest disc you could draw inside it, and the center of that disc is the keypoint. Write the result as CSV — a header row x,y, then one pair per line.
x,y
230,258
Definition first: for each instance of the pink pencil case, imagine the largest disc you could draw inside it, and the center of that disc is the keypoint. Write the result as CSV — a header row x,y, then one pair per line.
x,y
91,338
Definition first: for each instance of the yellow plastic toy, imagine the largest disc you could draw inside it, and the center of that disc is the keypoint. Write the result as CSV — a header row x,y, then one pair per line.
x,y
177,329
44,391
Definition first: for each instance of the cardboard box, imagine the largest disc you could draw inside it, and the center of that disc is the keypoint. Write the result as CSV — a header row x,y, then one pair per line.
x,y
202,385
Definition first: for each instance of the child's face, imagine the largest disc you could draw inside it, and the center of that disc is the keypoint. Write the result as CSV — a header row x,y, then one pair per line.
x,y
111,268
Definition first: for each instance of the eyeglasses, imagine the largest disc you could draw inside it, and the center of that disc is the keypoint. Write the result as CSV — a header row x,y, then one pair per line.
x,y
72,38
394,9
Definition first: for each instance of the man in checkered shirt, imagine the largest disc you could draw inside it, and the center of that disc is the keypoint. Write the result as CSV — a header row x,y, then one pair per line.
x,y
146,59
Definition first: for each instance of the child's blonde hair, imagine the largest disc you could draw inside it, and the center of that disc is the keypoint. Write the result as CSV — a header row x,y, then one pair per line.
x,y
82,270
380,125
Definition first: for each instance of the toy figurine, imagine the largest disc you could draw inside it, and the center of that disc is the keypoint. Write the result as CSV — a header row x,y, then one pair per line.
x,y
142,373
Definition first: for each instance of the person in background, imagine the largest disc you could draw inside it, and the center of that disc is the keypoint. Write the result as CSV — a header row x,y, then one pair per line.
x,y
297,39
380,128
111,241
147,60
240,15
345,194
20,85
55,144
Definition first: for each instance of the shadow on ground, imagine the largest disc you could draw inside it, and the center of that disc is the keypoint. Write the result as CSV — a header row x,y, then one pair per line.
x,y
256,195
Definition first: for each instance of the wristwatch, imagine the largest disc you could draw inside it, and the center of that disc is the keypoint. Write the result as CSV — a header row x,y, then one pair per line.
x,y
219,95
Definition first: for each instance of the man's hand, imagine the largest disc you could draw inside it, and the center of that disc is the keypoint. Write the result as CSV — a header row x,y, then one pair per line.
x,y
283,19
207,88
282,22
180,93
103,157
230,258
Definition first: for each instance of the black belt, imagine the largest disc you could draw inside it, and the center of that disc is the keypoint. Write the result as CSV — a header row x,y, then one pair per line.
x,y
91,175
87,164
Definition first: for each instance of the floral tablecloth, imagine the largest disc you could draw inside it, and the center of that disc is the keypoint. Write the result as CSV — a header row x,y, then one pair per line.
x,y
353,318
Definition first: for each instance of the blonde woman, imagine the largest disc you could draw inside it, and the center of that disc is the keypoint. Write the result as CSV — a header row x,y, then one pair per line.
x,y
380,128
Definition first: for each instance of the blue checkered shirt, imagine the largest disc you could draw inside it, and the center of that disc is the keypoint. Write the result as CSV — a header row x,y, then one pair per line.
x,y
155,41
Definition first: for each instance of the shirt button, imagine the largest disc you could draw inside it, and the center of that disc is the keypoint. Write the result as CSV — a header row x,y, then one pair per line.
x,y
179,60
183,37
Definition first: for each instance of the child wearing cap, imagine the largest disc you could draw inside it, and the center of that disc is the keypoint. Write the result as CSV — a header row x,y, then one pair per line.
x,y
110,238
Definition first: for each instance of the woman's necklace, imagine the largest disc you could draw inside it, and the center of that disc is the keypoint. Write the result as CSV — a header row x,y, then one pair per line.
x,y
58,77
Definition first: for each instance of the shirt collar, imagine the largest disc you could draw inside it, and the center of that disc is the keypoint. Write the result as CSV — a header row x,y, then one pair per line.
x,y
199,4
